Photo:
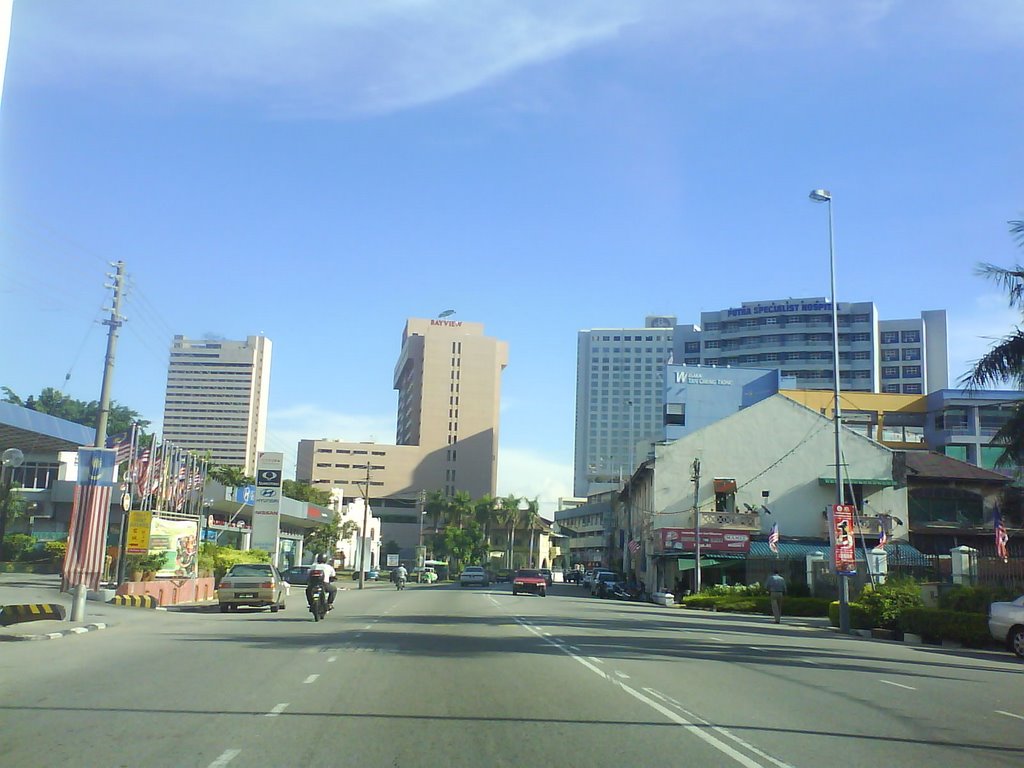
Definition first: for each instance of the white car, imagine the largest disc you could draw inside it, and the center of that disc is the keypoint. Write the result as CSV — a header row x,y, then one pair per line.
x,y
1006,623
473,574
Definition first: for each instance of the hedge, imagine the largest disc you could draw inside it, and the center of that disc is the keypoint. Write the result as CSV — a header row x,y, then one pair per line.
x,y
860,616
791,606
935,625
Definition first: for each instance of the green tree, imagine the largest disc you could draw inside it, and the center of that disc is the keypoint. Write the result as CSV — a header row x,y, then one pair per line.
x,y
302,491
12,506
485,514
230,476
460,508
531,519
55,403
436,507
508,517
323,540
466,543
1004,362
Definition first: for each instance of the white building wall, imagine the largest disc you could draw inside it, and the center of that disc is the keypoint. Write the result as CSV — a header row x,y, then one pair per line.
x,y
779,446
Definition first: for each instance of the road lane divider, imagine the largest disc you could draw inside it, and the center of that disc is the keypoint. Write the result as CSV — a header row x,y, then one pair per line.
x,y
136,601
225,757
15,614
310,679
898,685
277,710
670,714
332,659
1009,714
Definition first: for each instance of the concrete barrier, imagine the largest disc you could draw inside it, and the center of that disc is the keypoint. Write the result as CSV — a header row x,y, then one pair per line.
x,y
172,591
136,601
15,614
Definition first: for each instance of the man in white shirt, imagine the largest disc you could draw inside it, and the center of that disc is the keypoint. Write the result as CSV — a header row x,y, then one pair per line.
x,y
776,586
324,572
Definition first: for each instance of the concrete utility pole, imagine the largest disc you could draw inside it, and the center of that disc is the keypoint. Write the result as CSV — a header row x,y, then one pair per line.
x,y
113,323
695,477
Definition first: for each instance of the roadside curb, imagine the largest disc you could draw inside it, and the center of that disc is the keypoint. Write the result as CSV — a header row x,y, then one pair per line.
x,y
55,635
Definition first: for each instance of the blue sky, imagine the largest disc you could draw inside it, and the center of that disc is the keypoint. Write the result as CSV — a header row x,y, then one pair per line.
x,y
320,171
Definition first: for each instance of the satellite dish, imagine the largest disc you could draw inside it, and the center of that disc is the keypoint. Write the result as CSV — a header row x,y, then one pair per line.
x,y
13,457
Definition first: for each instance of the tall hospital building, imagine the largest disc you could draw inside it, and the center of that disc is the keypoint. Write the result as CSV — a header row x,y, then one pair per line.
x,y
620,372
216,398
448,378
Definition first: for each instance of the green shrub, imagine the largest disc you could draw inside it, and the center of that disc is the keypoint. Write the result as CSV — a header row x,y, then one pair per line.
x,y
56,550
218,559
860,617
16,546
886,602
935,625
737,603
972,599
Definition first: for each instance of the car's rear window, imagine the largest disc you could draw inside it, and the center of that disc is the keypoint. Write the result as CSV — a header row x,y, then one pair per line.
x,y
244,569
528,573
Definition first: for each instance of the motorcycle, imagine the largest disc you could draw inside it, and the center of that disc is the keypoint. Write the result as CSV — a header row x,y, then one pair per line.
x,y
318,601
400,584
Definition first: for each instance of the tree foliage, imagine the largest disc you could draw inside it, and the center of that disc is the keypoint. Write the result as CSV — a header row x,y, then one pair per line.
x,y
466,544
301,491
229,476
55,403
1004,362
323,540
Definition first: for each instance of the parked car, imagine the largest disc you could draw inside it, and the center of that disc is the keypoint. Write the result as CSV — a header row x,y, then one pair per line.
x,y
573,577
588,578
602,577
473,575
1006,624
297,574
529,580
503,574
371,575
546,573
259,585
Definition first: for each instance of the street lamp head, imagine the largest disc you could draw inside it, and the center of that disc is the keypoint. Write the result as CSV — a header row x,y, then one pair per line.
x,y
821,196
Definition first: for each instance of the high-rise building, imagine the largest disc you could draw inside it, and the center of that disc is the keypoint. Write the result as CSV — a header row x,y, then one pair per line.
x,y
795,336
216,398
619,399
448,378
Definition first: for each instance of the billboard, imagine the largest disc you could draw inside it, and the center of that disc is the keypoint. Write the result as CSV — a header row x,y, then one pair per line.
x,y
711,540
178,541
266,513
844,552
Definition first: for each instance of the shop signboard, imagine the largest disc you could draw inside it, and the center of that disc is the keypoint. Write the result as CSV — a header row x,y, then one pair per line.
x,y
711,540
137,535
266,513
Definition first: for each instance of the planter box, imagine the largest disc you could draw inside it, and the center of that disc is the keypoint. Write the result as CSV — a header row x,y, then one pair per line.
x,y
909,638
883,634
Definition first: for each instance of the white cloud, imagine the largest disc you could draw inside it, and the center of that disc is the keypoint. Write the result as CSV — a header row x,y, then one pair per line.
x,y
528,474
319,59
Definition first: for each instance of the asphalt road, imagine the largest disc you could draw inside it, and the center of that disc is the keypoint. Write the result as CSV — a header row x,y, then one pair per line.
x,y
457,677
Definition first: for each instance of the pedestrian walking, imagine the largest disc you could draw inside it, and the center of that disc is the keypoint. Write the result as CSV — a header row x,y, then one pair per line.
x,y
776,586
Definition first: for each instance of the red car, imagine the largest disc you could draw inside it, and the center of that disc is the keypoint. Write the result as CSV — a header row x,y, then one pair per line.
x,y
529,580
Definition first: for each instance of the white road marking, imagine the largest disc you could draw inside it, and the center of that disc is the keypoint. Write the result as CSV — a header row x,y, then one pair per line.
x,y
368,626
724,731
898,685
574,647
718,744
332,659
809,661
225,757
717,639
1009,714
310,679
277,710
623,675
595,659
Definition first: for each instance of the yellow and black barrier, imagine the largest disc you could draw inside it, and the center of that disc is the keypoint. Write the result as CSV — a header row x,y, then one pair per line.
x,y
15,614
137,601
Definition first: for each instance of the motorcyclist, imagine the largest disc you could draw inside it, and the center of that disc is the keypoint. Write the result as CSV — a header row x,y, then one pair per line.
x,y
324,572
401,574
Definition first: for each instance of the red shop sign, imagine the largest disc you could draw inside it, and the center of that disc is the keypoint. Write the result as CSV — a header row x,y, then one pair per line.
x,y
844,546
711,540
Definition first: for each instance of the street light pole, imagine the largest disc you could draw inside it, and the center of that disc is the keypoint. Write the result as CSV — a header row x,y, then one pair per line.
x,y
824,196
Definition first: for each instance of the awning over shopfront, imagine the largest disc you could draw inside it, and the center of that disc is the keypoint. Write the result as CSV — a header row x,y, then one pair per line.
x,y
898,554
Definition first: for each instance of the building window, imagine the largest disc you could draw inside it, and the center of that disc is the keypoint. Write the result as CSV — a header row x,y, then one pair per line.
x,y
954,419
911,389
890,337
890,372
891,389
911,371
911,337
890,355
692,346
911,353
711,344
675,414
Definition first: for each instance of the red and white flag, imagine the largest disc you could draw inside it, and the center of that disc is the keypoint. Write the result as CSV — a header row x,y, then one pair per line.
x,y
773,538
634,546
87,531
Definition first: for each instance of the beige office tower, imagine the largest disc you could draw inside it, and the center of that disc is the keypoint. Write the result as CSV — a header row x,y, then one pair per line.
x,y
216,399
448,378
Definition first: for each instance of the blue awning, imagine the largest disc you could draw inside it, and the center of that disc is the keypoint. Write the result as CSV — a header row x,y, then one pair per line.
x,y
898,554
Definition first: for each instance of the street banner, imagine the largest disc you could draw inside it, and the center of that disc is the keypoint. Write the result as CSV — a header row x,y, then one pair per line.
x,y
266,514
178,541
844,552
87,530
139,523
711,540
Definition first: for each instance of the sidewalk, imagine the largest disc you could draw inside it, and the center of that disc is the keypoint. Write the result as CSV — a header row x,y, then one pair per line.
x,y
34,588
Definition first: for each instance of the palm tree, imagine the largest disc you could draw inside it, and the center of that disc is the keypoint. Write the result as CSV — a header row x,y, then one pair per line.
x,y
531,516
1004,362
485,514
460,507
436,507
230,476
508,516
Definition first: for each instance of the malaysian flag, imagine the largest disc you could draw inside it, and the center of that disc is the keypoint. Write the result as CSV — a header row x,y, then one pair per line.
x,y
1002,538
87,531
773,538
634,546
